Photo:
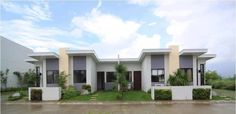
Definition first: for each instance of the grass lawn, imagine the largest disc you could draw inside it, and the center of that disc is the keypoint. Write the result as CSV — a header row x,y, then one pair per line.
x,y
5,95
223,94
111,96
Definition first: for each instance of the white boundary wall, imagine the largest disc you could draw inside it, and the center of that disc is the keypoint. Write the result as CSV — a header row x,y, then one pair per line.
x,y
48,93
179,92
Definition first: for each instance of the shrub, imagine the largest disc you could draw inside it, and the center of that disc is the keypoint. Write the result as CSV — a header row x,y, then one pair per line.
x,y
13,98
224,84
163,94
201,94
87,87
70,92
178,79
36,95
119,96
62,80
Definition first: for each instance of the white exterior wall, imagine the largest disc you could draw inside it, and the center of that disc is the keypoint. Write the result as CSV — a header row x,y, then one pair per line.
x,y
48,93
194,70
12,56
180,92
106,67
71,72
91,75
146,73
166,65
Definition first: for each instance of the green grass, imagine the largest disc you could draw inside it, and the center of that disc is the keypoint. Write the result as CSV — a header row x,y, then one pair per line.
x,y
5,95
112,96
223,94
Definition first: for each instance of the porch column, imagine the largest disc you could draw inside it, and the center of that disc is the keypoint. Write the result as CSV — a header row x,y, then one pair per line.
x,y
132,75
44,73
194,71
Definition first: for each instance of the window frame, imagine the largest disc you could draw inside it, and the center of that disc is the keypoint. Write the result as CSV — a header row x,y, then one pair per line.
x,y
158,76
108,80
55,76
75,77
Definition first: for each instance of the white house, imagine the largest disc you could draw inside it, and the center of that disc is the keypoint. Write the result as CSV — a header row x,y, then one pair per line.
x,y
151,68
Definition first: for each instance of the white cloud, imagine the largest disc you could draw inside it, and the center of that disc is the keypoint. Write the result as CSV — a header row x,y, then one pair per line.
x,y
117,36
109,28
152,24
34,11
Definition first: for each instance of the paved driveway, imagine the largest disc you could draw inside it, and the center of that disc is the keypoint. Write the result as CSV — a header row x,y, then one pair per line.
x,y
223,108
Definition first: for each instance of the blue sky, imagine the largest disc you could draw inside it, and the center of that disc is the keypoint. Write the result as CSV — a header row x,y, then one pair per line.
x,y
124,27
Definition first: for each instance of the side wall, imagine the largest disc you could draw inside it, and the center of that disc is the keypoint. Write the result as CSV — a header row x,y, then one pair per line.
x,y
12,57
146,73
91,73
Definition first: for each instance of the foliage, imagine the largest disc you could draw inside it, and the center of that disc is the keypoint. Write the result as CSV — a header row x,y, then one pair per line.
x,y
30,78
163,94
4,77
87,87
70,92
119,96
211,76
36,95
19,77
201,94
14,89
178,79
149,91
223,84
62,80
121,71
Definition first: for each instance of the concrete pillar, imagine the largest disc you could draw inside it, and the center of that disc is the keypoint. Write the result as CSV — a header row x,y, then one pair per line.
x,y
173,59
194,70
44,73
64,63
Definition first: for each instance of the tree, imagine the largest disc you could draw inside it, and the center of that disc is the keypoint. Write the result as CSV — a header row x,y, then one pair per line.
x,y
20,77
30,78
62,80
211,76
178,79
4,77
121,71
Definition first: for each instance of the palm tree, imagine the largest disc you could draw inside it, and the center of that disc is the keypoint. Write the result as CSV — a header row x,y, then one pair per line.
x,y
121,71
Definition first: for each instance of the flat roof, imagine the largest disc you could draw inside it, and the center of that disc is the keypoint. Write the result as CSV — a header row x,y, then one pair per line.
x,y
38,55
197,52
207,56
31,60
153,52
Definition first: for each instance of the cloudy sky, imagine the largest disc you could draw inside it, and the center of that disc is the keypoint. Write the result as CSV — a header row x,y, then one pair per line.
x,y
124,27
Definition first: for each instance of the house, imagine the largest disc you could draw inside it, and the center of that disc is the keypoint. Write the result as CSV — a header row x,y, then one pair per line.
x,y
151,68
12,57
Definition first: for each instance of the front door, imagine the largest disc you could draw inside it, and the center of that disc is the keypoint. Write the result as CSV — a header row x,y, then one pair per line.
x,y
202,67
38,76
100,80
137,80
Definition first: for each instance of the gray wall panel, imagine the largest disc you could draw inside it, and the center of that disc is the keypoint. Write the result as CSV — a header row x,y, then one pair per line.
x,y
157,61
79,62
186,61
52,64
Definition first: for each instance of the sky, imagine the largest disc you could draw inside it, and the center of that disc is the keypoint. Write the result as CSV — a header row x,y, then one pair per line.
x,y
124,27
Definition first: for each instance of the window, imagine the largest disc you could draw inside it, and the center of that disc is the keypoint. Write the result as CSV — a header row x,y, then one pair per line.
x,y
129,76
158,75
111,77
79,76
52,76
189,73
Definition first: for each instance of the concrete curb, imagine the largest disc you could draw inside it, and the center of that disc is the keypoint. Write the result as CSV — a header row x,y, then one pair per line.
x,y
122,103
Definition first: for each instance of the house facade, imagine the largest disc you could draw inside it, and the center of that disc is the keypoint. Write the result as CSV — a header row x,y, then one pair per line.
x,y
151,68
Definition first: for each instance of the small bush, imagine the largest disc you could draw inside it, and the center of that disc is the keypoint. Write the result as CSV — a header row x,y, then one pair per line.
x,y
223,84
163,94
119,96
70,92
201,94
36,95
87,87
13,98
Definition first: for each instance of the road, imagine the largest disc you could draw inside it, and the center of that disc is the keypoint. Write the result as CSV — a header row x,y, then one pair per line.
x,y
183,108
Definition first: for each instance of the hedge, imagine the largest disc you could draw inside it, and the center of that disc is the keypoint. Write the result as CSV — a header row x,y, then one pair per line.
x,y
201,94
36,95
163,94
